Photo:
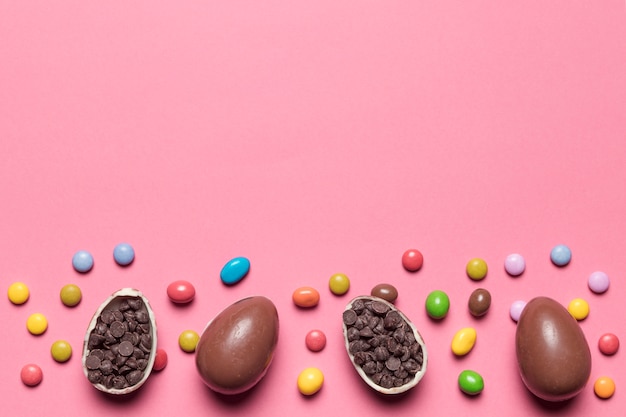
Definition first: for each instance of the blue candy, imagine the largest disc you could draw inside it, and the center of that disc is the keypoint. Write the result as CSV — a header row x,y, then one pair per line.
x,y
561,255
123,254
82,261
235,270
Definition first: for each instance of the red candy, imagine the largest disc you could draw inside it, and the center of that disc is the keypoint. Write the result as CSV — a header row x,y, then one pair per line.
x,y
31,375
608,344
160,360
181,292
412,260
315,340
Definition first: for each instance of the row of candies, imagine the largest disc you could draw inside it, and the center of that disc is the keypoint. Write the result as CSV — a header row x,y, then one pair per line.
x,y
310,380
437,305
179,292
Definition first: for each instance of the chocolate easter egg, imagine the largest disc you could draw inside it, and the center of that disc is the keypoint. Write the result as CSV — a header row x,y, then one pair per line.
x,y
120,343
552,353
237,346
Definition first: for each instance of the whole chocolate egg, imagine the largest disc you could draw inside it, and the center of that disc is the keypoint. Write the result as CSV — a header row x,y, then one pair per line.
x,y
237,346
552,353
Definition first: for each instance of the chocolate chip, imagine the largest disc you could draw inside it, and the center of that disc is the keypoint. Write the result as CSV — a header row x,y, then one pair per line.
x,y
119,382
117,329
379,308
101,327
143,328
106,366
349,317
392,320
131,363
109,355
95,377
135,303
381,353
107,317
99,353
142,364
120,360
126,348
366,332
124,370
95,340
393,363
138,353
142,316
369,368
146,342
382,343
118,315
109,338
134,377
358,306
92,362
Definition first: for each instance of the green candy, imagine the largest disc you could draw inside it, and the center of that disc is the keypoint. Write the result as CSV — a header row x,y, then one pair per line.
x,y
437,304
471,382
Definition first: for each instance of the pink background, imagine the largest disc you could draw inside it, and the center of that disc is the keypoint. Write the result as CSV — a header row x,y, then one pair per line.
x,y
312,137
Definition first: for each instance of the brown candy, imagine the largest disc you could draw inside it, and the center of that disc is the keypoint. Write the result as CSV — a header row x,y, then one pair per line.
x,y
383,345
552,353
479,302
119,344
385,291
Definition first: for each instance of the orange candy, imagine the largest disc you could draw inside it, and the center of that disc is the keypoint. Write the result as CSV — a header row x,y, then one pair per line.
x,y
306,297
604,387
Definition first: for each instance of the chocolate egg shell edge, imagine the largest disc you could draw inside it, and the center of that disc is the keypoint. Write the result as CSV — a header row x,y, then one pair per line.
x,y
418,337
112,302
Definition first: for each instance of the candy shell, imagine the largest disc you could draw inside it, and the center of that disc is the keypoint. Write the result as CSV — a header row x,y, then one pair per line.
x,y
235,270
470,382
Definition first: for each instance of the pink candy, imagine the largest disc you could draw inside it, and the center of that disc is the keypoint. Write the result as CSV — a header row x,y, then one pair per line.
x,y
315,340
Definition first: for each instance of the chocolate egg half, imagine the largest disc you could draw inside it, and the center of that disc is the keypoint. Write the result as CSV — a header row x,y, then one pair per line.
x,y
383,345
552,353
237,346
120,343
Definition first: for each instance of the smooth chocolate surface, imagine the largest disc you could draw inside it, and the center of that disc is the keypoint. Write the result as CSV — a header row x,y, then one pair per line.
x,y
552,352
237,347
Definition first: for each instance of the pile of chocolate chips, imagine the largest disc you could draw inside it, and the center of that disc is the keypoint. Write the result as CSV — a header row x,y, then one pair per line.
x,y
382,343
119,346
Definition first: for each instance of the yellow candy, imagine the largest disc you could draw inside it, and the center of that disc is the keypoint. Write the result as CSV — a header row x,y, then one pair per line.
x,y
463,341
37,324
476,269
188,340
61,351
71,295
310,381
578,308
18,293
339,284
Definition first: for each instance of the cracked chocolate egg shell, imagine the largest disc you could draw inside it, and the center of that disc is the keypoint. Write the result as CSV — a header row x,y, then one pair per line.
x,y
237,346
383,345
552,353
120,343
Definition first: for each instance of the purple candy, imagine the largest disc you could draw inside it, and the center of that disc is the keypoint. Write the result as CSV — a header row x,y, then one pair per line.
x,y
516,309
514,264
598,282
